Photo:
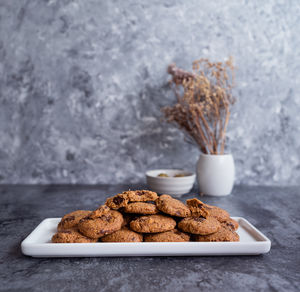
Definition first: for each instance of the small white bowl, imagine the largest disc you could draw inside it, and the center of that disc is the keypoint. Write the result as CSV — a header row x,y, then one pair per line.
x,y
170,185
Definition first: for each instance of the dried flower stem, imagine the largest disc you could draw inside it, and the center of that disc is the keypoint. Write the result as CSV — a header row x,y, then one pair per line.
x,y
203,109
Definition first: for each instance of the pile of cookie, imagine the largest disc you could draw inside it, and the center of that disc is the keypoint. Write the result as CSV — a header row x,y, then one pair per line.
x,y
142,215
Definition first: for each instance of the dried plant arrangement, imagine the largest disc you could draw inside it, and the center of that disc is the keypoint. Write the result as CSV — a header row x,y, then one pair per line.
x,y
204,100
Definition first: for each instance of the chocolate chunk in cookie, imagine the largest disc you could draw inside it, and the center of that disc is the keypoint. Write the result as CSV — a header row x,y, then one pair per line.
x,y
199,225
117,201
123,235
168,236
231,224
152,224
197,208
223,234
171,206
71,236
141,196
71,220
100,226
141,208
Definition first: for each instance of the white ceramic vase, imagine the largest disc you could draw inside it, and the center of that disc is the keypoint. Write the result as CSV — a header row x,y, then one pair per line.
x,y
215,174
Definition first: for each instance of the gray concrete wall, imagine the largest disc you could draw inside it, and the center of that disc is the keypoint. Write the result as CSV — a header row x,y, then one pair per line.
x,y
82,84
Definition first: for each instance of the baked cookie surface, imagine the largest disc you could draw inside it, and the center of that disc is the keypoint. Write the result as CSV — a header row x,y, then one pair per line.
x,y
171,206
141,208
199,225
100,226
152,224
167,236
230,223
198,208
140,196
219,213
71,220
223,234
71,236
117,201
123,235
102,210
121,200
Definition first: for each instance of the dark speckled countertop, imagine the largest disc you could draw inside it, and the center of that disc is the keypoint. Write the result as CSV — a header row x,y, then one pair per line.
x,y
274,210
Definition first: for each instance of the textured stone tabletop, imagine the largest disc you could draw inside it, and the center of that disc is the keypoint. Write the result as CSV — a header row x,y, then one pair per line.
x,y
275,211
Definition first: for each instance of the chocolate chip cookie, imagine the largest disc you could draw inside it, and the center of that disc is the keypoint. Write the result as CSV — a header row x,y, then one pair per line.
x,y
100,226
230,223
121,200
199,225
197,208
152,224
168,236
123,235
223,234
71,219
171,206
141,208
71,236
117,201
141,196
103,209
220,214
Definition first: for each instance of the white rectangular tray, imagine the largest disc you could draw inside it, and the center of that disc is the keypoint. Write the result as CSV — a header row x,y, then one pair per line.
x,y
38,244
